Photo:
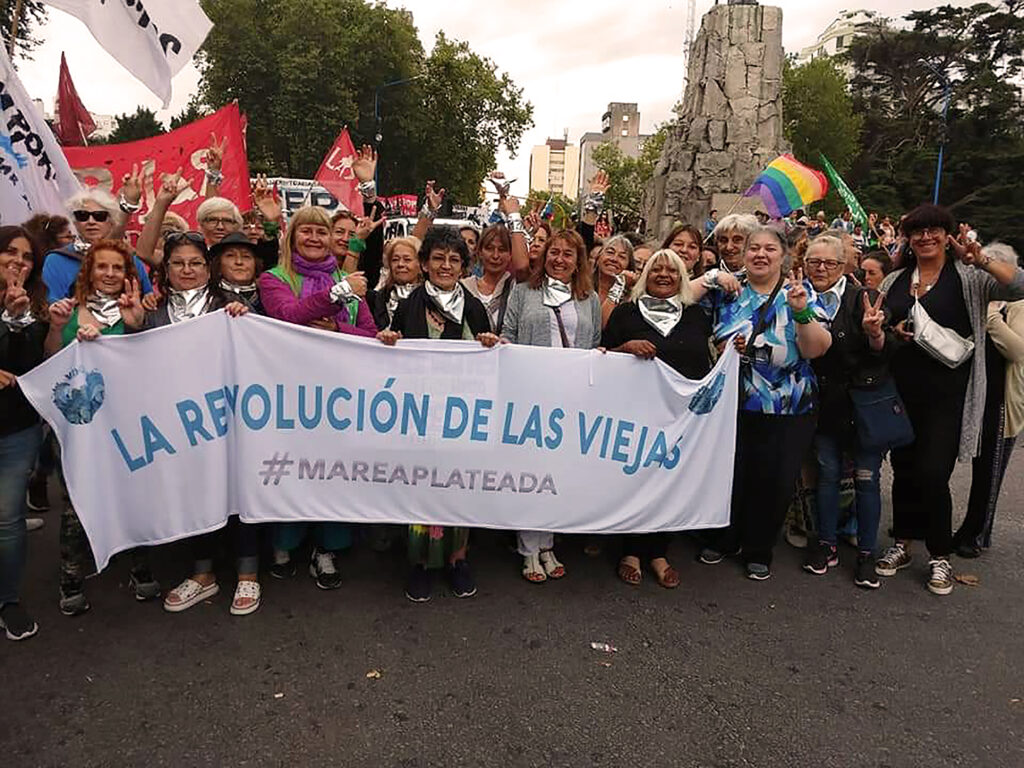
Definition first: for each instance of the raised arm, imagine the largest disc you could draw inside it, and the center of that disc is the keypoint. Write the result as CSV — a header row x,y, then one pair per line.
x,y
509,206
431,203
812,339
170,186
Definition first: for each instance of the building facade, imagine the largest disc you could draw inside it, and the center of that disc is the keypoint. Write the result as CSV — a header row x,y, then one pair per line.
x,y
554,167
837,36
620,124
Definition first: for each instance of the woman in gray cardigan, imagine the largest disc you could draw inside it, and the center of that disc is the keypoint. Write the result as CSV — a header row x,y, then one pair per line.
x,y
945,404
555,307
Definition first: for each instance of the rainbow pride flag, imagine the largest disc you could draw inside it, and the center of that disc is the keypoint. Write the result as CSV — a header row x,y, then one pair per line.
x,y
786,185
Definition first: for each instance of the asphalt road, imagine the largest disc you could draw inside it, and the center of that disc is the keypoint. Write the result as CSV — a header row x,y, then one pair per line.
x,y
796,671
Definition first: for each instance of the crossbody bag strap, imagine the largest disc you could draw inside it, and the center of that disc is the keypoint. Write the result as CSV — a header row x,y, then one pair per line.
x,y
762,314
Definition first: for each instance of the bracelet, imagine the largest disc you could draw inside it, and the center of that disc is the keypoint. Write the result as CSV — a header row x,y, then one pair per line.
x,y
356,244
616,291
711,279
127,207
368,189
804,316
214,177
426,212
594,203
341,291
515,224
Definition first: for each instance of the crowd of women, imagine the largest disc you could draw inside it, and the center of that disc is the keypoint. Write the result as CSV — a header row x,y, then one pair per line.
x,y
913,351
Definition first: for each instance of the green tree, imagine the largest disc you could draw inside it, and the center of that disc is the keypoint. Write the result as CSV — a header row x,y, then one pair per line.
x,y
189,114
303,69
140,125
628,177
980,49
33,13
562,207
819,114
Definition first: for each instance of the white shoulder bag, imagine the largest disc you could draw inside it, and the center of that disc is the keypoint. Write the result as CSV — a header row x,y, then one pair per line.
x,y
945,345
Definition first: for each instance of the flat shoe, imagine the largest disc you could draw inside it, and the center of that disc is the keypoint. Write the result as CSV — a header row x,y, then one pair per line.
x,y
552,568
246,590
629,574
189,592
532,570
669,578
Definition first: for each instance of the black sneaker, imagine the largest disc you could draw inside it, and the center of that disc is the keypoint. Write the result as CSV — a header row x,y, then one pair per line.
x,y
36,497
419,584
461,579
712,556
820,558
16,621
968,551
143,585
323,569
283,566
72,599
865,575
758,571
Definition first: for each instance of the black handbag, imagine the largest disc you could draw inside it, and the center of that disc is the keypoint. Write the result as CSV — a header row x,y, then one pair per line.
x,y
881,418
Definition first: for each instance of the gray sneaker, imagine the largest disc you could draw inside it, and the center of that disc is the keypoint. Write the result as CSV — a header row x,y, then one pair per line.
x,y
758,571
72,600
895,558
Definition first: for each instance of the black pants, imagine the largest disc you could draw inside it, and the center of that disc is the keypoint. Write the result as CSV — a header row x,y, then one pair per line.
x,y
989,466
769,452
645,546
922,507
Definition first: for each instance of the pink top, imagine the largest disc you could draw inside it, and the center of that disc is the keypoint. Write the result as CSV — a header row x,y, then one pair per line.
x,y
280,302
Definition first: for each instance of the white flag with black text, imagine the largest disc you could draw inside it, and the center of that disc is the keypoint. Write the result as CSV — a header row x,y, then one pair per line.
x,y
154,41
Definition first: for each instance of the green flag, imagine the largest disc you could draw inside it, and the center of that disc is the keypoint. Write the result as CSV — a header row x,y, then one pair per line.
x,y
858,215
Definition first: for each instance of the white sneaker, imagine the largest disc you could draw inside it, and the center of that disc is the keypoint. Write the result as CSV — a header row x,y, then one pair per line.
x,y
34,523
941,580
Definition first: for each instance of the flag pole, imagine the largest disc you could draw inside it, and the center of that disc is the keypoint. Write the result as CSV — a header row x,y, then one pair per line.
x,y
16,17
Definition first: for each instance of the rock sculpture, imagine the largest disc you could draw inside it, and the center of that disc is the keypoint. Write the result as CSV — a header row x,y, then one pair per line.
x,y
730,121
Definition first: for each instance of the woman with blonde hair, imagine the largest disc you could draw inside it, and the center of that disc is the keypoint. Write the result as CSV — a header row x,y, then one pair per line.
x,y
661,320
399,278
307,287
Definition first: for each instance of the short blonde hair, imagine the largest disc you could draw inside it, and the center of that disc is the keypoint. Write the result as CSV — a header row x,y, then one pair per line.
x,y
214,205
685,293
829,241
310,214
409,242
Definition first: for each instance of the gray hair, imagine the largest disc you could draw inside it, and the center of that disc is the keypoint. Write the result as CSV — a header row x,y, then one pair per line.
x,y
830,241
1001,252
99,197
744,223
685,294
215,205
787,257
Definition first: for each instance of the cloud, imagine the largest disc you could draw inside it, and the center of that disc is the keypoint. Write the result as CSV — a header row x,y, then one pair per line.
x,y
570,57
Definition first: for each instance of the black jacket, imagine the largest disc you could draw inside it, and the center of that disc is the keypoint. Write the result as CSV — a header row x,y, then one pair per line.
x,y
20,352
372,259
411,317
849,363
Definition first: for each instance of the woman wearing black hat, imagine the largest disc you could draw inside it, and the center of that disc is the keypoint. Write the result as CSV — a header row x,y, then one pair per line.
x,y
185,287
234,267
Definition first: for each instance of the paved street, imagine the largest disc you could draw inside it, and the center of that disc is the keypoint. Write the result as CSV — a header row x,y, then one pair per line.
x,y
797,671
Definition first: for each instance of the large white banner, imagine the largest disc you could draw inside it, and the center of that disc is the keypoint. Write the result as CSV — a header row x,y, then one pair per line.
x,y
34,174
166,433
153,41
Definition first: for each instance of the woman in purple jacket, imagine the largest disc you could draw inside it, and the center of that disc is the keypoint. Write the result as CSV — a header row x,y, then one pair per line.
x,y
307,287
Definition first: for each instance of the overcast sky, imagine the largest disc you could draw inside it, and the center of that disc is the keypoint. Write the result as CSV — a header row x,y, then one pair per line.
x,y
570,57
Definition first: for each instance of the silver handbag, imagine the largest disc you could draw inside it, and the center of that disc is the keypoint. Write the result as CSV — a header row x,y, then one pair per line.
x,y
947,346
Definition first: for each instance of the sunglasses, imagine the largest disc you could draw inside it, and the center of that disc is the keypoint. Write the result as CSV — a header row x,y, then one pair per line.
x,y
99,216
196,238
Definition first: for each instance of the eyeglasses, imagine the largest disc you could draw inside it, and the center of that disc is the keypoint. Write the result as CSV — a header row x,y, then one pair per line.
x,y
827,263
83,216
927,232
195,264
220,222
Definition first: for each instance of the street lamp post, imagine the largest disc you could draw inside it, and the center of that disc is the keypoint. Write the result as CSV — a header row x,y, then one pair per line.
x,y
946,93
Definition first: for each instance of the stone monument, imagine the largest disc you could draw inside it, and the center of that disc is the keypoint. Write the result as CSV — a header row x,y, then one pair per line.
x,y
730,121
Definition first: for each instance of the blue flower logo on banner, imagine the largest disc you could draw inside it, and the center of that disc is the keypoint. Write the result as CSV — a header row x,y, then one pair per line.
x,y
79,395
706,398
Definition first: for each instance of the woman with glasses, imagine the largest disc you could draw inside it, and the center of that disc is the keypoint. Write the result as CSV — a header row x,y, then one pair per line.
x,y
945,400
857,359
614,274
217,218
440,309
100,307
96,216
186,294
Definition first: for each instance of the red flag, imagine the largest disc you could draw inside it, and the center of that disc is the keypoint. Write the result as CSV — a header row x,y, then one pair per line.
x,y
336,176
73,122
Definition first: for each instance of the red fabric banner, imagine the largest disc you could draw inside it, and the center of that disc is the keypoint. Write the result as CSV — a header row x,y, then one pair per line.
x,y
72,123
336,176
105,166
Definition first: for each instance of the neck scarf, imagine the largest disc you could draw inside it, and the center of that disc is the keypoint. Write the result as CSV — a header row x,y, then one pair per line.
x,y
451,303
739,274
398,293
184,305
832,298
661,314
247,294
104,308
555,292
318,276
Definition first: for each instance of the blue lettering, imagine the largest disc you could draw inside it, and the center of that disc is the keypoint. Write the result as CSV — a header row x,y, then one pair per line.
x,y
531,430
622,433
216,403
452,405
253,392
554,424
587,436
133,463
418,415
632,468
338,393
191,416
507,436
282,422
153,439
311,422
481,415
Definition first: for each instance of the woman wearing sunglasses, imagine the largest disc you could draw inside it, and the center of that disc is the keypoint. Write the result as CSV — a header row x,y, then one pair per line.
x,y
95,216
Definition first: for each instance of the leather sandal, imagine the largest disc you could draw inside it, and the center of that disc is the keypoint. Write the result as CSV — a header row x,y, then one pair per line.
x,y
668,578
532,570
629,574
553,568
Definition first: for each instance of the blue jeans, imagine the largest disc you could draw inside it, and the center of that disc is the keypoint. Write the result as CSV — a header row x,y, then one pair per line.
x,y
867,466
18,454
331,537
